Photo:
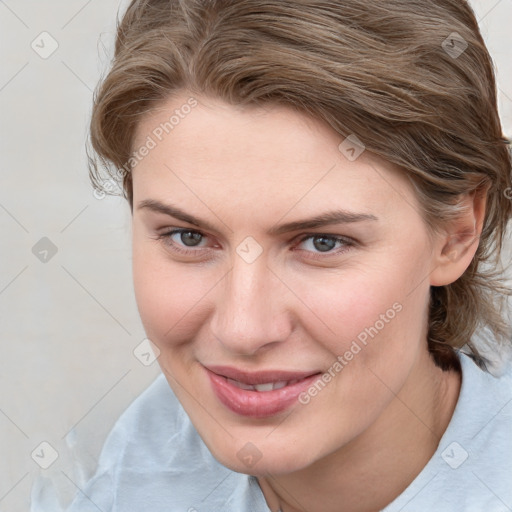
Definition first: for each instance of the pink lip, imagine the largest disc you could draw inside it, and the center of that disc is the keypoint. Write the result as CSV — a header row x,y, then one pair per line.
x,y
257,404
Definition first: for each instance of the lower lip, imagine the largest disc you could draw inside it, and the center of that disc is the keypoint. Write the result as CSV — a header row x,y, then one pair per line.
x,y
258,404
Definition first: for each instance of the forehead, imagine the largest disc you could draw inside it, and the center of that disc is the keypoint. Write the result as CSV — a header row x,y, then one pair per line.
x,y
218,129
259,154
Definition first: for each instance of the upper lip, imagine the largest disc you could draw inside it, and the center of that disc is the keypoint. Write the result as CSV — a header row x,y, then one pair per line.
x,y
260,377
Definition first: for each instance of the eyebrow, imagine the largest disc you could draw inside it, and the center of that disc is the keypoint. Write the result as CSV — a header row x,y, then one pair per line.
x,y
324,219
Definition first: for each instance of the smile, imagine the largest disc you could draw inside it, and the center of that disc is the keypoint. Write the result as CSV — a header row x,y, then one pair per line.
x,y
261,394
268,386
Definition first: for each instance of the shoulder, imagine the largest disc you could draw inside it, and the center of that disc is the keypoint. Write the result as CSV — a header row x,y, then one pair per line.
x,y
154,460
485,398
484,415
476,451
155,415
154,435
472,466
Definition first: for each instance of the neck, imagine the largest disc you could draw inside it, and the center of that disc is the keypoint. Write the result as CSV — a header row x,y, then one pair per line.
x,y
376,467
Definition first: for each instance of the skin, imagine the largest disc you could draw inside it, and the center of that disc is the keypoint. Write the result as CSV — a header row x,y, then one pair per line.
x,y
365,436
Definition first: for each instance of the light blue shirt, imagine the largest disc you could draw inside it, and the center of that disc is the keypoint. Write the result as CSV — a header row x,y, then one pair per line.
x,y
154,460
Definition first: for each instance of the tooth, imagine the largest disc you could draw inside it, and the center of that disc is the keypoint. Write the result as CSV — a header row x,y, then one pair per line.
x,y
264,387
268,386
241,385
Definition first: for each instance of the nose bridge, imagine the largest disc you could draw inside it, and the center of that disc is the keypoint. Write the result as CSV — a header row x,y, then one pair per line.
x,y
250,311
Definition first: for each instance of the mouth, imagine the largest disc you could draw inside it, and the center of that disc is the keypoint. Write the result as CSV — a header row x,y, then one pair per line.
x,y
258,394
267,386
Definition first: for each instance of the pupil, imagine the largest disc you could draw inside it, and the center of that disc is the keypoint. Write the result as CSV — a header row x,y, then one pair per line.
x,y
194,237
325,244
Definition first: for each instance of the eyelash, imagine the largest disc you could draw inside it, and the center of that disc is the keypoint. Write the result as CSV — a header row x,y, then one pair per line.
x,y
349,243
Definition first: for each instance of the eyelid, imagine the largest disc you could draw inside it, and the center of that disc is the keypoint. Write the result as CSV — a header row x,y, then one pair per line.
x,y
305,236
167,233
301,238
347,241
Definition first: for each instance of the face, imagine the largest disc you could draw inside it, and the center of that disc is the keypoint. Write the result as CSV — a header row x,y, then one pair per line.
x,y
236,287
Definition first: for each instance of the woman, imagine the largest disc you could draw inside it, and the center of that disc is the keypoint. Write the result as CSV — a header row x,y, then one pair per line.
x,y
319,192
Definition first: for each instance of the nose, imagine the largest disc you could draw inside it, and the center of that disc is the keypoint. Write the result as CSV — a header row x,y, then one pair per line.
x,y
251,312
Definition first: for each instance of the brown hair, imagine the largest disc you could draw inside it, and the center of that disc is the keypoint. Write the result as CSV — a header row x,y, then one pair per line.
x,y
412,79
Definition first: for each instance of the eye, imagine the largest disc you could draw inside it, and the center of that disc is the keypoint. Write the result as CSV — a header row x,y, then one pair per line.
x,y
317,246
189,238
322,244
180,239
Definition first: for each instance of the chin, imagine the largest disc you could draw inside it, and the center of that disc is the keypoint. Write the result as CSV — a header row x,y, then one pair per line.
x,y
259,458
264,467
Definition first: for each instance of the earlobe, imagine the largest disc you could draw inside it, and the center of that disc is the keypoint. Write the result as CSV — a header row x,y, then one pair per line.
x,y
457,246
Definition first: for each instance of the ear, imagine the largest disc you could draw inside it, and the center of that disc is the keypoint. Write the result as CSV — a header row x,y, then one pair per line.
x,y
455,247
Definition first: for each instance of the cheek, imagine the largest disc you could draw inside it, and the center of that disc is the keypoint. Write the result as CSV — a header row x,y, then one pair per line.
x,y
369,313
373,337
168,294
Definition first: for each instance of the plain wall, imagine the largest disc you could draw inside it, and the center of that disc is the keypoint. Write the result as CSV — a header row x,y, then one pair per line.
x,y
69,325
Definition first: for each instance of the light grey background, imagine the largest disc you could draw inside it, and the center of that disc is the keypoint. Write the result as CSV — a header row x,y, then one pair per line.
x,y
69,325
